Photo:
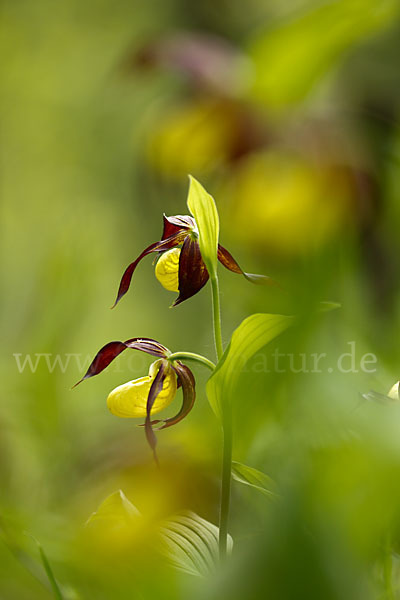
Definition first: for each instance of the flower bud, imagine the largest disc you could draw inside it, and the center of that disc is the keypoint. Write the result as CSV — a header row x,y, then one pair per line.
x,y
130,399
167,269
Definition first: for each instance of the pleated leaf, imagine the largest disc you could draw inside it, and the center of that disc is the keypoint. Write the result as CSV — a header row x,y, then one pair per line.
x,y
190,544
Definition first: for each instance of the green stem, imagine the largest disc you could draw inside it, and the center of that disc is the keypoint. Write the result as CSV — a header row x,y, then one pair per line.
x,y
227,433
387,568
226,481
216,316
192,356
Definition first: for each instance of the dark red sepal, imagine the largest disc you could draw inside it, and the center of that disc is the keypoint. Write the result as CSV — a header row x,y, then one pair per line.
x,y
176,223
111,350
226,259
193,274
164,244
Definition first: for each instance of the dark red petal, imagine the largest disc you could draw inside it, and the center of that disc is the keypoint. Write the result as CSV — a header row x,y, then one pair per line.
x,y
227,260
111,350
164,244
186,378
147,345
174,224
155,389
193,274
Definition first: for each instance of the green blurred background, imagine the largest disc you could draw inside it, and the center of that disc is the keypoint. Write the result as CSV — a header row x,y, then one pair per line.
x,y
287,112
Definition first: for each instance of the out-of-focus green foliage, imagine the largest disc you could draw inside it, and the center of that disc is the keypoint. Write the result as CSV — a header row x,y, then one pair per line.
x,y
302,155
292,56
253,477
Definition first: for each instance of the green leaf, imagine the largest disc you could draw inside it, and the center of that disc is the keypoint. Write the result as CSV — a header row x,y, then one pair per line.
x,y
251,335
49,571
202,207
391,397
190,544
377,397
394,392
254,478
114,510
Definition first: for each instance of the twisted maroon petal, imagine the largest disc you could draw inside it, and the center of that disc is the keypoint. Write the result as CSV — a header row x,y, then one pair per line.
x,y
193,274
187,381
227,260
186,378
155,389
111,350
164,244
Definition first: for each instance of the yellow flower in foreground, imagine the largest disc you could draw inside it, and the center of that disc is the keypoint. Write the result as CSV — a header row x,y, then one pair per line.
x,y
130,399
167,269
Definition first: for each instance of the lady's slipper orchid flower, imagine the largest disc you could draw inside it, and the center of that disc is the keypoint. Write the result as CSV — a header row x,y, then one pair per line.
x,y
148,395
180,267
130,399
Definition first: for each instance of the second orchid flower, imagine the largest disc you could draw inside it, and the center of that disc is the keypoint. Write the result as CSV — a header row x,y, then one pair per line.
x,y
150,394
